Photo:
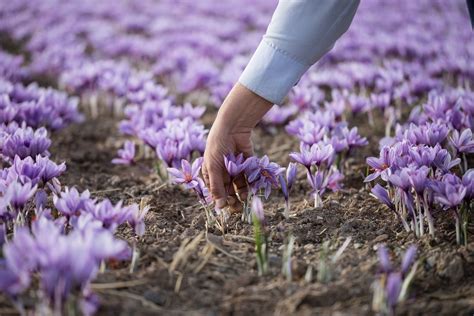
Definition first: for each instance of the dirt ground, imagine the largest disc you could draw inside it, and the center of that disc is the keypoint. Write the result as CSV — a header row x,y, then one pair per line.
x,y
217,275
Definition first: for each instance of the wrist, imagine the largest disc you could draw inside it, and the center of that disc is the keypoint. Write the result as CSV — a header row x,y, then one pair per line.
x,y
241,110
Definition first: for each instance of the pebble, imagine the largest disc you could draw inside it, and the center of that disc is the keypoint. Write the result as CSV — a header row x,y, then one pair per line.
x,y
154,297
451,269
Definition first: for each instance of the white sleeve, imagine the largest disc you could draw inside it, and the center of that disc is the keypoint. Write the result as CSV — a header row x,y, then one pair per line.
x,y
299,34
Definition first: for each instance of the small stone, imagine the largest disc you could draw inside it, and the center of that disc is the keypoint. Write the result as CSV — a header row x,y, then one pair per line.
x,y
357,245
431,261
451,269
154,297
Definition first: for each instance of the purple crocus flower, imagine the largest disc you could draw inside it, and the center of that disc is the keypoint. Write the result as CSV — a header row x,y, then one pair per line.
x,y
339,143
322,154
311,133
381,165
317,154
393,288
382,195
449,191
418,178
334,179
89,303
423,155
27,170
26,142
168,152
103,245
353,138
408,259
18,194
235,165
291,174
304,157
136,218
318,183
203,192
462,142
110,215
429,134
257,209
384,259
392,279
444,162
15,271
71,202
400,179
188,175
126,155
50,169
262,174
468,183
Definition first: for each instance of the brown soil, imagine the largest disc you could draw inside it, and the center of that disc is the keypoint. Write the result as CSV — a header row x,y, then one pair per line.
x,y
218,275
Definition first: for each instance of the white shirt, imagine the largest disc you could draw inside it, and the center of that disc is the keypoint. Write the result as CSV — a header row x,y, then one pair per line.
x,y
299,34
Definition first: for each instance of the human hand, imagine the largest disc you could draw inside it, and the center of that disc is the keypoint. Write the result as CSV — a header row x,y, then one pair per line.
x,y
239,114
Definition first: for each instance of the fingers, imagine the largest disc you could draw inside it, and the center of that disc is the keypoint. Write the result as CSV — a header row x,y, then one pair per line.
x,y
218,182
235,206
240,185
205,175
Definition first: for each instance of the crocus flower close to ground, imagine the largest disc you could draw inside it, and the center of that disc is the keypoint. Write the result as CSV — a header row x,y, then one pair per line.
x,y
126,155
188,175
392,284
262,174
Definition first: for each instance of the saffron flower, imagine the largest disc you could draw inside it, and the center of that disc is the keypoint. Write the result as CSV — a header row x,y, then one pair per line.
x,y
136,218
71,202
26,142
126,155
450,191
19,194
257,209
392,285
353,138
462,142
304,157
49,169
291,174
235,165
188,175
382,195
110,215
381,165
317,155
262,174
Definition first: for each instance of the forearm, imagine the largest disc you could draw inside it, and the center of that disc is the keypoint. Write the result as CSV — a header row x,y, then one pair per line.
x,y
299,34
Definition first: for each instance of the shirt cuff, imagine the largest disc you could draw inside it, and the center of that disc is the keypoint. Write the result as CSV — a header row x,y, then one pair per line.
x,y
271,72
